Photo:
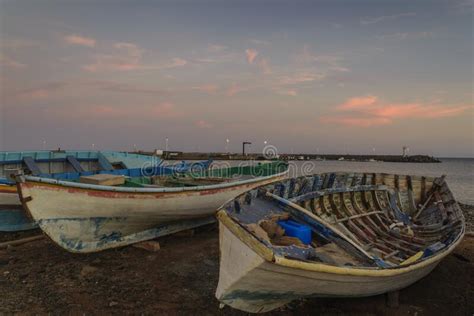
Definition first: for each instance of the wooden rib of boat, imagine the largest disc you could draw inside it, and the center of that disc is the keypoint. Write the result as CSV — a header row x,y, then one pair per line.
x,y
371,234
88,218
68,165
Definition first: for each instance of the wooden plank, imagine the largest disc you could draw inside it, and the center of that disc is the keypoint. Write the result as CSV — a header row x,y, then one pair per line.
x,y
20,241
32,166
150,245
357,216
74,163
103,179
104,163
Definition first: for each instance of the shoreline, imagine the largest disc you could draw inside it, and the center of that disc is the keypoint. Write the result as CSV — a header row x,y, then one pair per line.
x,y
468,211
273,154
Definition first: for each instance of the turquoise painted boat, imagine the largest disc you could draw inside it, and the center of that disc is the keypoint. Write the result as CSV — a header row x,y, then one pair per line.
x,y
84,217
70,166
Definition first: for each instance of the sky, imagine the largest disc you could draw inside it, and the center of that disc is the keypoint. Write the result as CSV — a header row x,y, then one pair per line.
x,y
303,76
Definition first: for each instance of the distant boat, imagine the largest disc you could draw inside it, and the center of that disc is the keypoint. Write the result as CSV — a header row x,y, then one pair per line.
x,y
341,159
333,235
68,165
87,218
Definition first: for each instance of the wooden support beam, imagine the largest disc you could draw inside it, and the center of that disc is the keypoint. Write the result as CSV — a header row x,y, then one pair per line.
x,y
20,241
32,166
357,216
150,245
391,254
104,163
74,163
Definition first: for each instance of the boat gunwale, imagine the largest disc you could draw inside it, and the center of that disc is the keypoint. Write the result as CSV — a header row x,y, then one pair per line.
x,y
267,253
95,187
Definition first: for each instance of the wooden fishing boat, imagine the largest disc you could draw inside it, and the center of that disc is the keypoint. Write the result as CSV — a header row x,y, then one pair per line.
x,y
88,218
336,235
66,165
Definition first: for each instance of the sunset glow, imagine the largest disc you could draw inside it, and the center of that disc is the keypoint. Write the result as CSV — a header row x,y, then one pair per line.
x,y
330,75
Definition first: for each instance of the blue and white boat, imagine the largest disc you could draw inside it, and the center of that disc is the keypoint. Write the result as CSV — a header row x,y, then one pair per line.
x,y
71,165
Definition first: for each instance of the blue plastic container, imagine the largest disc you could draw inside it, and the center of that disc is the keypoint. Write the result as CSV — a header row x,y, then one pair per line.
x,y
294,229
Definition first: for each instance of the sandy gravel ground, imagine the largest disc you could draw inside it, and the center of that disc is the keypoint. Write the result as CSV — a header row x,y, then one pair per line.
x,y
180,279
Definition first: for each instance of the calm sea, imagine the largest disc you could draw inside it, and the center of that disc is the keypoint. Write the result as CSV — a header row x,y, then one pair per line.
x,y
459,171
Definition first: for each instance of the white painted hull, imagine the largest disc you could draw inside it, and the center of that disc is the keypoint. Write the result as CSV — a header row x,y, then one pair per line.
x,y
87,220
9,195
12,215
250,283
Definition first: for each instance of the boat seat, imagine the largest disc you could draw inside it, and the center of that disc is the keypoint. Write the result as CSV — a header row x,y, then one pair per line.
x,y
32,166
104,163
337,255
74,163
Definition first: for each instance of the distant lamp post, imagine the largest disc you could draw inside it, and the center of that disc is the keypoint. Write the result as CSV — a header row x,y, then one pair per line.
x,y
166,144
373,150
93,146
135,147
406,150
44,144
227,145
243,147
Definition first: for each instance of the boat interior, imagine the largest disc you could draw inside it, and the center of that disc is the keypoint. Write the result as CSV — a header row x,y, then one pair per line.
x,y
68,164
208,177
363,220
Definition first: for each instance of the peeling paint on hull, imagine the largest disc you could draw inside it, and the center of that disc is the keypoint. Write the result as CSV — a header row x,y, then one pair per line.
x,y
258,274
250,283
75,215
12,216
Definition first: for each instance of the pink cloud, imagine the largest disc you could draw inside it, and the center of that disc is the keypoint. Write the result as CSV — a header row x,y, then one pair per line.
x,y
358,102
209,88
164,110
366,111
356,121
175,62
203,124
76,87
44,91
264,66
446,112
234,89
75,39
214,48
127,57
259,42
11,63
251,55
373,20
300,78
290,92
306,56
36,94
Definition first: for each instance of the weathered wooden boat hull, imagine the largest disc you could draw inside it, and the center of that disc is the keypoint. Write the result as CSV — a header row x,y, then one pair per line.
x,y
64,165
360,212
12,216
9,195
252,284
89,218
